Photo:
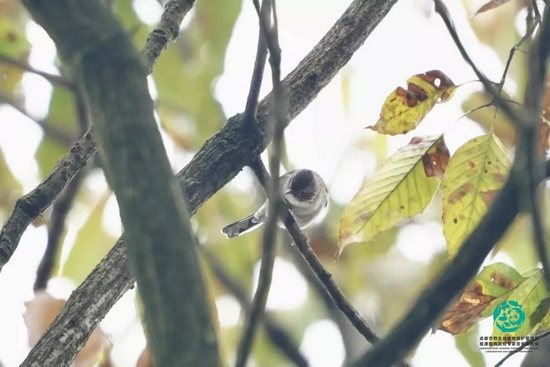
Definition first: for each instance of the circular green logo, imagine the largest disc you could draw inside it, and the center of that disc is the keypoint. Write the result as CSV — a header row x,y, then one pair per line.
x,y
509,316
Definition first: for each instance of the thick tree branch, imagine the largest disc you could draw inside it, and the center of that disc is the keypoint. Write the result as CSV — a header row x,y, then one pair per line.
x,y
437,296
216,163
162,247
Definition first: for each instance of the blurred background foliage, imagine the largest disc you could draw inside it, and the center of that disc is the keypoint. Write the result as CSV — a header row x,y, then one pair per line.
x,y
380,278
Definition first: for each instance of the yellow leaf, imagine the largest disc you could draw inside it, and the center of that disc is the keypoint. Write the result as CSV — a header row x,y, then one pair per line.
x,y
474,176
401,188
404,109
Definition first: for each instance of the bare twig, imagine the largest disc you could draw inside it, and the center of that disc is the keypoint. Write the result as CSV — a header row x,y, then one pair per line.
x,y
276,333
214,165
54,79
61,208
528,166
166,31
523,346
301,242
49,129
30,206
492,88
267,36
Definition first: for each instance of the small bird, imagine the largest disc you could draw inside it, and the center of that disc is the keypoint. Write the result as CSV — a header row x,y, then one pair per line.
x,y
304,192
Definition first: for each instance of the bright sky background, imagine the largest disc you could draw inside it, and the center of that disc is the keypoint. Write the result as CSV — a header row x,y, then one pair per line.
x,y
406,43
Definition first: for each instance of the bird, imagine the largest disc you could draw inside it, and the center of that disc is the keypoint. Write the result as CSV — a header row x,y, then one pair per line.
x,y
306,195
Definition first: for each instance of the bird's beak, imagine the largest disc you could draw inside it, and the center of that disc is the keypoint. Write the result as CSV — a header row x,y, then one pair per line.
x,y
288,192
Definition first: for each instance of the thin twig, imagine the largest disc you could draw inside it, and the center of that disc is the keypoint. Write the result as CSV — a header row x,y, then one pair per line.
x,y
49,128
315,265
52,78
30,206
528,168
279,337
277,124
61,209
523,346
499,101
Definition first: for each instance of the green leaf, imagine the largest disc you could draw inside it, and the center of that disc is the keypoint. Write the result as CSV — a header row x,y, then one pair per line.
x,y
478,299
91,245
13,44
475,174
400,189
10,189
404,109
527,298
62,115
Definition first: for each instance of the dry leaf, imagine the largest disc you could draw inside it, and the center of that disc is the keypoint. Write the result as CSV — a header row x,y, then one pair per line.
x,y
42,310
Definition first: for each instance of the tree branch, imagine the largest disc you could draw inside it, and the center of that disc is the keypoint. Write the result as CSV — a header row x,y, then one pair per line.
x,y
30,206
49,129
259,302
528,167
61,209
162,248
216,163
54,79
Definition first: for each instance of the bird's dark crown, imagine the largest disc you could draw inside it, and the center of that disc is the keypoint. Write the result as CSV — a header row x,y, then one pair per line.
x,y
303,182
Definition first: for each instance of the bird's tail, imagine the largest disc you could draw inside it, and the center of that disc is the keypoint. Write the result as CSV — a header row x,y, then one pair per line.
x,y
242,226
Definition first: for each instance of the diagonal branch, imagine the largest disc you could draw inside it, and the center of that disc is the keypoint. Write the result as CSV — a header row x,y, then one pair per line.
x,y
54,79
49,129
216,163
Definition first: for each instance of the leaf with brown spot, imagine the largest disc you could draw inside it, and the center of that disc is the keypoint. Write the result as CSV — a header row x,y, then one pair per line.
x,y
478,300
474,175
400,189
436,159
404,109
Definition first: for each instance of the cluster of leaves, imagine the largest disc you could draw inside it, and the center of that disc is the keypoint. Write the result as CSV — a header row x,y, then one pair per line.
x,y
469,182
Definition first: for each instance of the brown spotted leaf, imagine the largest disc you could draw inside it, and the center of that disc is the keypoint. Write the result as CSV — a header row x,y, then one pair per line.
x,y
544,127
478,300
404,109
475,174
400,189
436,159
